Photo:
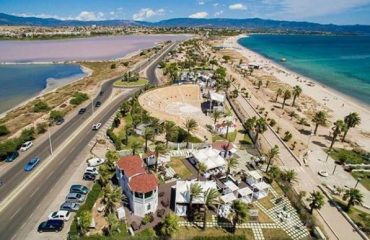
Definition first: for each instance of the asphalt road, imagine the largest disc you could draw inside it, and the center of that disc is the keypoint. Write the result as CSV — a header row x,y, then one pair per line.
x,y
17,213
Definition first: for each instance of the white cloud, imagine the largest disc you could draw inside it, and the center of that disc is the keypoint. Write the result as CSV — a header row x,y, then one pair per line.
x,y
199,15
41,15
218,13
215,4
201,2
237,6
146,13
90,16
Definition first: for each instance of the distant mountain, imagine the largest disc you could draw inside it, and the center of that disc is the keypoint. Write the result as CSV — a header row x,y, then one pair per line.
x,y
250,23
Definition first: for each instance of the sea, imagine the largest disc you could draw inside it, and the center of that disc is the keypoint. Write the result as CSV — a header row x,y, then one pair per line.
x,y
339,62
20,82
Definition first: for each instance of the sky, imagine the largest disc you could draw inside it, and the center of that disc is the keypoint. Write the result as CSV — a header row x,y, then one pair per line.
x,y
321,11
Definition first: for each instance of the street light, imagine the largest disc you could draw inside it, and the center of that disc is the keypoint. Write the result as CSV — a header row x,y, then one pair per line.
x,y
358,180
327,156
335,167
51,146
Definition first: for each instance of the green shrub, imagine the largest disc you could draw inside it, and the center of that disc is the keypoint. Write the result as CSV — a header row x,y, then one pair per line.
x,y
41,106
115,139
41,127
55,115
3,130
78,98
287,136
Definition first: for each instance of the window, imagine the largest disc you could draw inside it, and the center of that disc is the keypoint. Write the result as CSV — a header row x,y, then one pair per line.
x,y
138,195
148,207
148,194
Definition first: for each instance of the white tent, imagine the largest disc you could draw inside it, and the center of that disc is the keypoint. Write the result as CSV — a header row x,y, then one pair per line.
x,y
228,198
183,190
217,97
210,157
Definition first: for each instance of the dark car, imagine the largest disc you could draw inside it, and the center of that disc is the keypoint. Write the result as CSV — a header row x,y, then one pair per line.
x,y
31,164
101,93
70,206
82,111
89,177
79,189
98,104
59,121
11,156
51,226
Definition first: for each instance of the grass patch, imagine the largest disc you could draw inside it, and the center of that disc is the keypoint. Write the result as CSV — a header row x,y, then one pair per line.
x,y
275,234
121,234
231,137
138,83
347,156
180,168
365,178
212,233
266,201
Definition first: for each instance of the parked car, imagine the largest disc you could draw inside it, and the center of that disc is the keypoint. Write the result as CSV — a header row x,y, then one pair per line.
x,y
101,93
81,189
93,162
11,156
82,111
25,146
51,226
96,126
69,206
323,173
31,164
92,170
89,177
59,215
98,104
59,121
75,197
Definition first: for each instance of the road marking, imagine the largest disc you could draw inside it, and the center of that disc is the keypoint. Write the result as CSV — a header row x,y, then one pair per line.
x,y
33,193
11,217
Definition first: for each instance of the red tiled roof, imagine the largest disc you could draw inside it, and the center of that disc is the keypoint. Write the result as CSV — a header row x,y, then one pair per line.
x,y
222,145
143,183
131,165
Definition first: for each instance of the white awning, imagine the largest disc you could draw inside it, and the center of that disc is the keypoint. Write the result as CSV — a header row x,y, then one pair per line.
x,y
217,97
245,191
183,190
210,157
261,186
229,184
255,175
228,198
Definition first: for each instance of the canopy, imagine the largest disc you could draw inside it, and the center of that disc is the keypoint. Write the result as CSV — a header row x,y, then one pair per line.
x,y
210,157
228,198
183,190
245,191
255,175
229,184
216,97
261,186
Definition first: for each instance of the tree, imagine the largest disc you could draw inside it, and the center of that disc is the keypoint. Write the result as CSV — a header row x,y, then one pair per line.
x,y
319,119
105,174
128,131
279,92
135,146
339,127
271,155
211,197
190,126
195,192
111,196
232,163
4,130
274,172
202,168
148,135
170,225
84,221
239,212
111,156
228,125
297,91
250,123
113,223
260,127
287,95
170,130
351,121
289,176
316,200
259,84
159,148
41,106
125,108
354,196
216,115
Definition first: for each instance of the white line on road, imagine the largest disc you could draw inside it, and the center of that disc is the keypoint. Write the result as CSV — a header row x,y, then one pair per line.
x,y
11,217
33,193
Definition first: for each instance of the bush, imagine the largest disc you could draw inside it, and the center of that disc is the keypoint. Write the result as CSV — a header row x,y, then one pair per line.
x,y
55,115
3,130
125,64
272,122
41,106
41,128
78,98
147,219
113,66
287,136
115,139
8,147
26,135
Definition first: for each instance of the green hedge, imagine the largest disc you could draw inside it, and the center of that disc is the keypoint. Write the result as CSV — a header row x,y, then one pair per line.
x,y
117,142
78,98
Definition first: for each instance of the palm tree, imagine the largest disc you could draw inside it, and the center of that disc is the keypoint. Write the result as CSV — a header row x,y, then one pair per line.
x,y
316,201
159,148
250,123
84,221
105,175
271,155
279,92
128,130
111,196
216,115
211,198
297,91
290,176
232,163
287,95
113,223
351,121
202,168
239,212
260,127
339,127
274,172
190,126
135,146
320,118
169,128
228,125
149,134
195,192
354,196
170,225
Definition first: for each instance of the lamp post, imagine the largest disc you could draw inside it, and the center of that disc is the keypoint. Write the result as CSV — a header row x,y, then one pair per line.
x,y
358,180
335,167
51,146
327,156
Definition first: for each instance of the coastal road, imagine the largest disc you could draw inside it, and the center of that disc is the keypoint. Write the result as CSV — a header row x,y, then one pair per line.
x,y
15,213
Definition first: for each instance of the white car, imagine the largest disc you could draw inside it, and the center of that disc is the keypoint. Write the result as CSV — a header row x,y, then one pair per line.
x,y
59,215
93,162
96,126
92,170
323,173
25,146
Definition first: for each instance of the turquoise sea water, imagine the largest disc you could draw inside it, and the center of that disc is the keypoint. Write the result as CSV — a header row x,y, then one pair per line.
x,y
19,82
339,62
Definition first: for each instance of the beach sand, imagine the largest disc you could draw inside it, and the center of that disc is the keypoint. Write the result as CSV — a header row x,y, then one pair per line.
x,y
339,104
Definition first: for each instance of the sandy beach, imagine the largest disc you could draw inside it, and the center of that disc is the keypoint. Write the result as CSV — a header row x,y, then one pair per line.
x,y
338,104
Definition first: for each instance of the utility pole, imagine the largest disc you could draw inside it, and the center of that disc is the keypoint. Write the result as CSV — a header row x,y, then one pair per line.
x,y
51,146
335,167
